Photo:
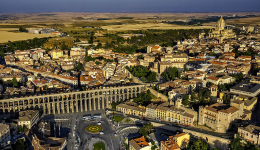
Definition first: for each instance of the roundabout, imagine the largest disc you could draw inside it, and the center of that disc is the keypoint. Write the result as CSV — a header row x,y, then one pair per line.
x,y
93,129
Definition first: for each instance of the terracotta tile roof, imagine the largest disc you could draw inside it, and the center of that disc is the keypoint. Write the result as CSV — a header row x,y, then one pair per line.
x,y
212,78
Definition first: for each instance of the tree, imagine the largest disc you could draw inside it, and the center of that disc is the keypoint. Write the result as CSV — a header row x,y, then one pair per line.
x,y
186,69
152,77
79,66
171,73
98,63
236,143
198,145
144,98
193,96
77,40
143,131
154,146
2,53
140,57
20,144
14,82
64,47
185,100
250,146
21,29
143,79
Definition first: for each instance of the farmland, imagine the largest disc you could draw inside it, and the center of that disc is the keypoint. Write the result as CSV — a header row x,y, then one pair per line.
x,y
6,36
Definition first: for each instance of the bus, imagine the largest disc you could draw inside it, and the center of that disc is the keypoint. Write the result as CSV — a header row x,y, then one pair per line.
x,y
86,117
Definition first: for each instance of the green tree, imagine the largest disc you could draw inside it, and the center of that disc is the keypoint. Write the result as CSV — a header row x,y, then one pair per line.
x,y
140,57
236,143
152,77
79,66
77,40
98,63
198,145
143,79
2,53
21,29
20,144
154,146
171,73
193,96
14,82
149,127
144,98
143,131
64,47
185,100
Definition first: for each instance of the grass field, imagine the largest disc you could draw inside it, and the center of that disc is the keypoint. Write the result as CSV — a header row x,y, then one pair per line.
x,y
99,146
150,26
6,36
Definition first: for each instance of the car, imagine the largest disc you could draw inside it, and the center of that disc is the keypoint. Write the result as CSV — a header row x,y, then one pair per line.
x,y
99,123
101,132
115,134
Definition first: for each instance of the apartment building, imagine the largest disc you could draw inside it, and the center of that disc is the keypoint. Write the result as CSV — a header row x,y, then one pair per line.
x,y
50,143
250,133
176,142
220,116
151,111
5,136
139,144
28,118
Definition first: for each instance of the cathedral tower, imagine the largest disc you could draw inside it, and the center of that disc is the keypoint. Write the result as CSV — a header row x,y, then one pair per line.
x,y
221,23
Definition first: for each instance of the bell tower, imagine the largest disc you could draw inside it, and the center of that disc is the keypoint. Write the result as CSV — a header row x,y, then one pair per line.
x,y
221,23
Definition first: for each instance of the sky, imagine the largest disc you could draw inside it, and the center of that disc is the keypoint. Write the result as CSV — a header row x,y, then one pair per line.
x,y
117,6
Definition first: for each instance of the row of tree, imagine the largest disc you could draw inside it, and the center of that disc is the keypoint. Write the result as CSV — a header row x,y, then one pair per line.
x,y
23,45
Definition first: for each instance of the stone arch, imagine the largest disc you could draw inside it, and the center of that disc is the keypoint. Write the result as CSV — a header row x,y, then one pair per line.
x,y
96,103
92,104
31,101
73,96
100,102
36,107
113,98
82,95
50,99
36,101
105,103
69,97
